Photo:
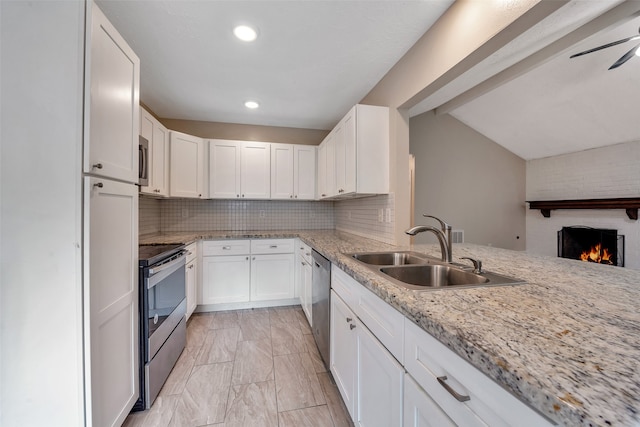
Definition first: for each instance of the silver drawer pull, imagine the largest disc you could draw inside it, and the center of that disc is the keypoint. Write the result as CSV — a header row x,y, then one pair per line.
x,y
226,248
99,185
352,326
349,319
97,166
459,397
273,247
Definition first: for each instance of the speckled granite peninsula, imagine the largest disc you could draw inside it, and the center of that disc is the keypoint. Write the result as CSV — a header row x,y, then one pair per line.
x,y
567,342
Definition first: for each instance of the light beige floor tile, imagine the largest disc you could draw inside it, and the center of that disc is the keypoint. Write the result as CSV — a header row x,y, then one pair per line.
x,y
196,334
316,359
252,405
287,339
254,328
318,416
204,399
253,363
254,312
135,419
225,320
180,374
201,320
303,322
284,315
338,410
297,385
219,346
162,411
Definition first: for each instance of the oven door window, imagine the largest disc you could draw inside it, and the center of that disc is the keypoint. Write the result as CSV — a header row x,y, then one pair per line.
x,y
164,297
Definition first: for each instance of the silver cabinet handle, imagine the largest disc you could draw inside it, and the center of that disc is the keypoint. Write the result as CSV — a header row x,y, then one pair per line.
x,y
97,166
247,259
323,195
237,195
191,266
99,185
459,397
254,258
226,248
303,263
349,319
273,247
243,195
296,196
352,326
291,196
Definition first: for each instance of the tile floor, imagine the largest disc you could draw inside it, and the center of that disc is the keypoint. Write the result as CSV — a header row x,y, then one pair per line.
x,y
257,367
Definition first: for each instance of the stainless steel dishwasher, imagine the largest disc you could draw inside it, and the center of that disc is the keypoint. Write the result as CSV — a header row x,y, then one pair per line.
x,y
320,307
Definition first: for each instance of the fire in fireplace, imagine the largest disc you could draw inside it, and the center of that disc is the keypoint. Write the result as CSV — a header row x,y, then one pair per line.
x,y
597,245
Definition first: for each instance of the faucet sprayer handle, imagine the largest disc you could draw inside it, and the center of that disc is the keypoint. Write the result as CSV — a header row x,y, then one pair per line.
x,y
477,264
443,224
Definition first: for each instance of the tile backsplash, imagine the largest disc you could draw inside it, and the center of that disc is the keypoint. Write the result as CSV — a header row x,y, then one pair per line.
x,y
356,216
362,217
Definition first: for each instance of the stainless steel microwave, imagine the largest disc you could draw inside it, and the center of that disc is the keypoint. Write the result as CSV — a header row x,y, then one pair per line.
x,y
143,162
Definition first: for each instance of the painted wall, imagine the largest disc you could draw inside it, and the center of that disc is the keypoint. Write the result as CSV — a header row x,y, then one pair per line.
x,y
606,172
468,181
41,381
246,132
449,48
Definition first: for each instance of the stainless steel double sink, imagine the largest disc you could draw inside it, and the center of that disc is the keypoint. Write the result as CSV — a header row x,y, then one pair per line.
x,y
417,271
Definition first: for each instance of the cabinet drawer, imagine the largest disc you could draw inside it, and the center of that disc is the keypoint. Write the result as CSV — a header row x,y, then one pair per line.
x,y
344,286
427,359
226,247
272,246
192,252
304,251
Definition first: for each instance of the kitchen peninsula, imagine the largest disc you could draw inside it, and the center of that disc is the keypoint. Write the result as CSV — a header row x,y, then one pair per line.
x,y
566,343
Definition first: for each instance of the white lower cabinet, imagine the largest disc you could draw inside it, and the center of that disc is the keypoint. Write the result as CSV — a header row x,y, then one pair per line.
x,y
247,271
304,272
368,377
419,408
226,279
191,278
272,277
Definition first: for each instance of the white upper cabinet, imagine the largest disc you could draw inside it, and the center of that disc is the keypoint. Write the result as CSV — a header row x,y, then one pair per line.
x,y
357,155
158,168
224,169
112,108
187,166
293,172
255,170
239,169
327,167
282,171
304,172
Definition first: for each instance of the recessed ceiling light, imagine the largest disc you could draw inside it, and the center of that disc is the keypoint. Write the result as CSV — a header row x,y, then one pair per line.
x,y
251,104
245,33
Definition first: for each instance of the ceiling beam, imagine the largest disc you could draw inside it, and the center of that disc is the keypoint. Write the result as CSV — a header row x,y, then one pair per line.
x,y
616,16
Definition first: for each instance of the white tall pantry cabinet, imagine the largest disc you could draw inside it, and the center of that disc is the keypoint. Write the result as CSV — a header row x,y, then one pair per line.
x,y
47,258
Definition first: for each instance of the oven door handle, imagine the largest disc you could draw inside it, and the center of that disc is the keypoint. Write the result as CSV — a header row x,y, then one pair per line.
x,y
176,259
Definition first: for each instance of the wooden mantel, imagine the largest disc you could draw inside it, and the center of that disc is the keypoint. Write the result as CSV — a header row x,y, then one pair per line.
x,y
630,205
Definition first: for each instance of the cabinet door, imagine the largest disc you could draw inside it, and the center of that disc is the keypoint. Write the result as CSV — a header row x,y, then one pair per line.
x,y
111,147
272,277
419,408
342,358
307,272
340,166
282,166
111,299
255,170
304,172
225,279
187,166
321,176
224,169
329,167
379,379
348,174
159,169
190,283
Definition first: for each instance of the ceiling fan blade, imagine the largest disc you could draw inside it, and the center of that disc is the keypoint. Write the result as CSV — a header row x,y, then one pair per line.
x,y
627,56
604,46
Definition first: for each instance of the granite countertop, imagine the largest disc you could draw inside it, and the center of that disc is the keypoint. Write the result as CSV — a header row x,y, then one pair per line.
x,y
567,342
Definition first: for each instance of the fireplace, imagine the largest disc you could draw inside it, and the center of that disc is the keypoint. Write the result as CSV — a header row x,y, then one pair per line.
x,y
588,244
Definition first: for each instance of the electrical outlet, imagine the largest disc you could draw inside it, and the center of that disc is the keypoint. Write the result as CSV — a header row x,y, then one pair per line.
x,y
185,213
380,215
387,215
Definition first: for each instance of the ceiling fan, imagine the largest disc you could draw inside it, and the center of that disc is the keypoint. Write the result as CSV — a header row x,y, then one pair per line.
x,y
624,58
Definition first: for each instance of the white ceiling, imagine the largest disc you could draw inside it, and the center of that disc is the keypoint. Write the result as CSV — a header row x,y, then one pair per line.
x,y
312,61
565,105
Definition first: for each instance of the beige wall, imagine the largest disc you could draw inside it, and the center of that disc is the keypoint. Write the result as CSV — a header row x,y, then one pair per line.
x,y
468,32
246,132
468,181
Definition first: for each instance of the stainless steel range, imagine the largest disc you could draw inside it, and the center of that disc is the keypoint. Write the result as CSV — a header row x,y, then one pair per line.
x,y
162,316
